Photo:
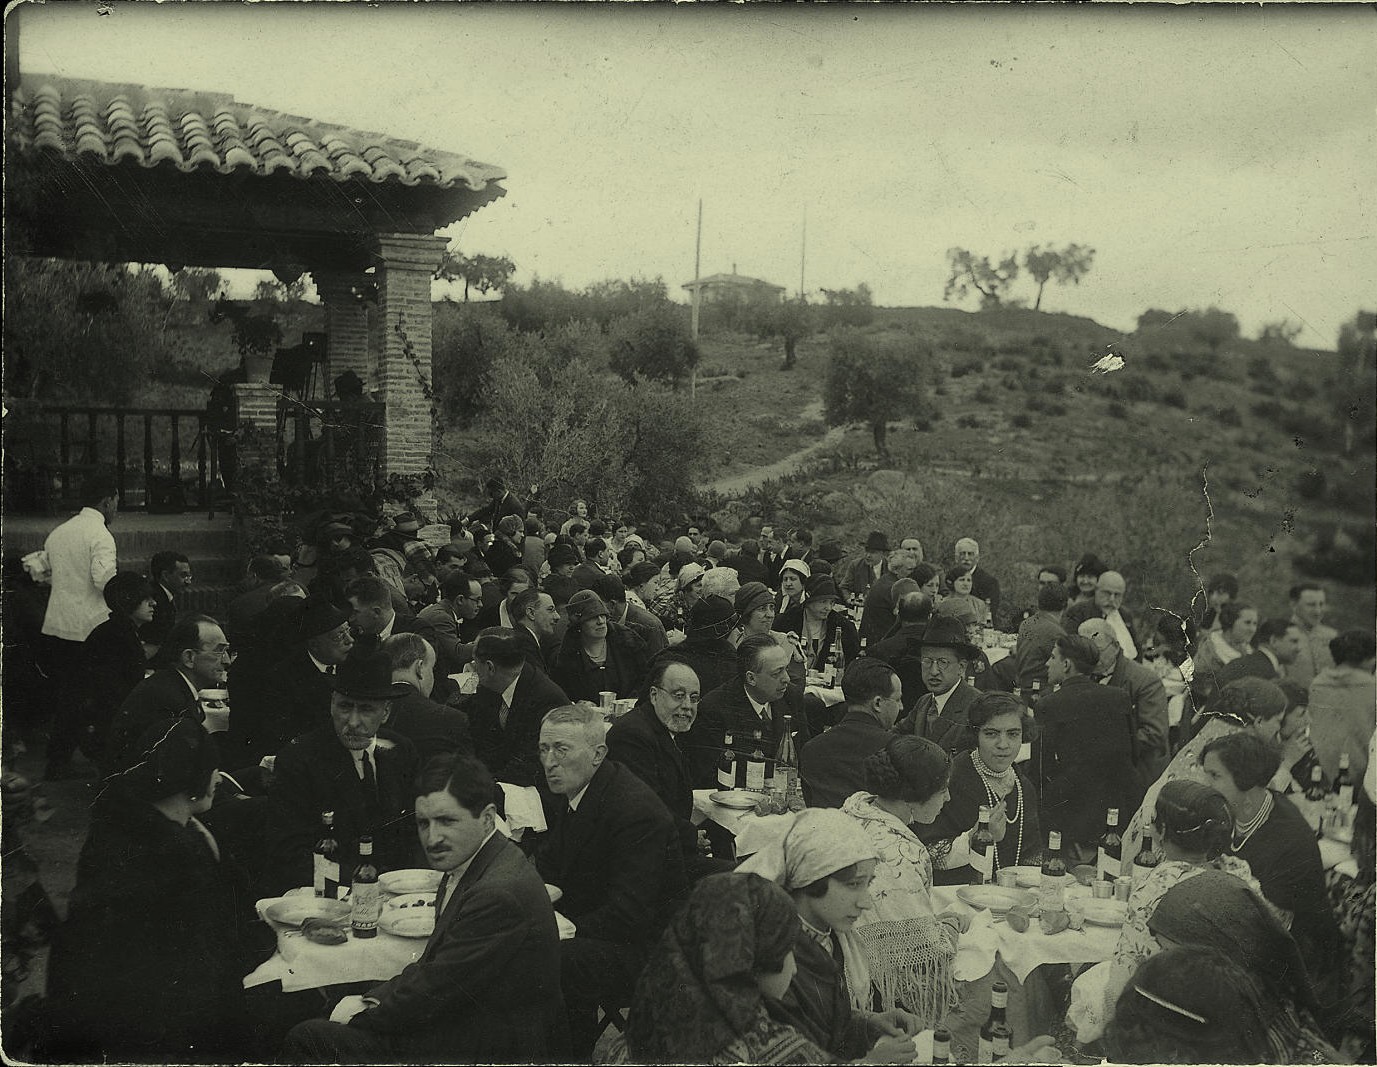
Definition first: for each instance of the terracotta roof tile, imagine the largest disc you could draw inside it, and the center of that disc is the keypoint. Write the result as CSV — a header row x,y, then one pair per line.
x,y
120,124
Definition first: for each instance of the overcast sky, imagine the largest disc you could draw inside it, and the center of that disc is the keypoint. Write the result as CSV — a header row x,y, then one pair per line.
x,y
1220,156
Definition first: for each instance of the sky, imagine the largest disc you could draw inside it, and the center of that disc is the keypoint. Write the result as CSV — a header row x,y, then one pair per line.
x,y
1211,156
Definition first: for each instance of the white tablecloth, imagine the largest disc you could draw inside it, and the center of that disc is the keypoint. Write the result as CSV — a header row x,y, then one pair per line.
x,y
1338,855
301,964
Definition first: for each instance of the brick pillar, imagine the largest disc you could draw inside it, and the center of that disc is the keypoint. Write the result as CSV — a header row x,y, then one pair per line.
x,y
258,407
347,327
406,263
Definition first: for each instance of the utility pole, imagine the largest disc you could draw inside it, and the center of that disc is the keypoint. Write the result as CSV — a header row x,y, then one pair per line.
x,y
697,296
803,255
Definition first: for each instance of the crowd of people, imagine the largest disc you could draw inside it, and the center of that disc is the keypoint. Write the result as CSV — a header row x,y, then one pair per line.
x,y
404,685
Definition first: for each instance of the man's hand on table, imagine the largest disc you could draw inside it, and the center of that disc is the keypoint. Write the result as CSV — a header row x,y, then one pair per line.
x,y
890,1050
1042,1049
961,922
348,1007
893,1023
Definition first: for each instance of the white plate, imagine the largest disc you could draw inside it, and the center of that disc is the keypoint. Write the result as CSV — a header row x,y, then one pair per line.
x,y
412,880
1028,876
293,911
996,898
418,922
1104,912
554,891
740,799
410,903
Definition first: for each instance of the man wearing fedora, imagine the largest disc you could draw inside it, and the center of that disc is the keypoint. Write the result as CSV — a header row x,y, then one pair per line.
x,y
855,580
940,713
301,688
353,767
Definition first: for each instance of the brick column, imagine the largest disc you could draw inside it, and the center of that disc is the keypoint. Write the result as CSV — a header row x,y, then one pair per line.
x,y
258,407
406,263
347,327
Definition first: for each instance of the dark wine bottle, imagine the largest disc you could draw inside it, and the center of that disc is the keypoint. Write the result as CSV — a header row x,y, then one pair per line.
x,y
982,848
995,1036
1111,849
364,901
325,859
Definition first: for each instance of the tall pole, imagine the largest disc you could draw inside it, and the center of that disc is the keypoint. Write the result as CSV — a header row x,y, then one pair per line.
x,y
697,296
803,255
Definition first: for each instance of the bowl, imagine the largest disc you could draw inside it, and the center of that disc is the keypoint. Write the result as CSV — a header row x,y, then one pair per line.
x,y
293,911
419,922
1100,912
410,880
995,898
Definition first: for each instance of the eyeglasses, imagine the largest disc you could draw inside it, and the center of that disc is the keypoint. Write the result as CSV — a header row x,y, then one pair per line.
x,y
680,695
223,651
928,663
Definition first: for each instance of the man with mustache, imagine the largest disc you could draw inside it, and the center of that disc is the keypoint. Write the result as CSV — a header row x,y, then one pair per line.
x,y
353,767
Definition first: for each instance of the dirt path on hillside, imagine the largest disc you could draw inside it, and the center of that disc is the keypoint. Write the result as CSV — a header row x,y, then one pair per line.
x,y
738,483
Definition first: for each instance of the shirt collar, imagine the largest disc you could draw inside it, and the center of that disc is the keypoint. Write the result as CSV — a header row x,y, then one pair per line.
x,y
386,631
460,871
1276,663
941,698
324,668
195,693
509,693
577,798
763,710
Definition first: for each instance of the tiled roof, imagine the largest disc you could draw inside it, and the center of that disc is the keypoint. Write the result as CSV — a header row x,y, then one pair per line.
x,y
730,279
104,122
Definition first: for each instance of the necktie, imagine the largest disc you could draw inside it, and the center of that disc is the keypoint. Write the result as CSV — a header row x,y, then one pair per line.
x,y
370,780
329,668
502,714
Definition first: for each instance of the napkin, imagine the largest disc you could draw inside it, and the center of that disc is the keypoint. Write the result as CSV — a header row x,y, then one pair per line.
x,y
566,928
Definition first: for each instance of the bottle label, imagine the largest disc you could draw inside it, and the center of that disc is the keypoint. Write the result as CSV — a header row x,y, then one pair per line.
x,y
1345,798
999,1049
325,880
755,775
726,776
985,1050
1108,866
367,907
984,863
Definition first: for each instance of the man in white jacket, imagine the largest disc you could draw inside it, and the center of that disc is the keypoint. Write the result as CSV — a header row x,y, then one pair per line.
x,y
81,556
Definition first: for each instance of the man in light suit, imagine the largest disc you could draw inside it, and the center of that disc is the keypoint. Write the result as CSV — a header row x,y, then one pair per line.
x,y
486,988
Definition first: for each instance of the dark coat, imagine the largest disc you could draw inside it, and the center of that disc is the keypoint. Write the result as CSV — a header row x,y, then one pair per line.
x,y
1086,609
243,610
791,621
316,773
502,556
151,706
368,644
164,615
962,811
877,613
640,742
159,934
510,752
434,729
749,569
648,626
486,988
1037,636
727,710
114,667
985,586
623,672
832,764
438,624
273,700
1253,664
950,729
714,661
532,650
818,1003
1086,761
617,859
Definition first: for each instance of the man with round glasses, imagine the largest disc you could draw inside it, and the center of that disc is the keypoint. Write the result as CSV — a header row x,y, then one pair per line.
x,y
945,657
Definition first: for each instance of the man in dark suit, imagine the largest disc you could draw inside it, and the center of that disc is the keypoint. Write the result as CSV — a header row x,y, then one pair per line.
x,y
614,852
748,565
877,614
760,702
646,741
197,657
485,989
650,629
264,572
352,767
1108,605
169,573
1037,636
833,765
1145,691
443,623
940,713
373,618
1276,645
535,620
771,555
1085,766
902,650
275,699
505,713
435,729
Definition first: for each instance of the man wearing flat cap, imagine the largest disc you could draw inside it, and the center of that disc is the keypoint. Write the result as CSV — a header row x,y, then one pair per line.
x,y
353,767
945,656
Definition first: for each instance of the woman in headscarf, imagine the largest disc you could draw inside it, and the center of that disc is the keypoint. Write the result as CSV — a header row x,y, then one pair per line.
x,y
1216,910
1194,829
149,965
909,946
1247,704
824,860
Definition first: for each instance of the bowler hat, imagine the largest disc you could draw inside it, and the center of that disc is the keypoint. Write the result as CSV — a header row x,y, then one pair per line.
x,y
831,551
713,617
751,596
876,542
584,605
821,586
560,555
318,617
948,633
366,677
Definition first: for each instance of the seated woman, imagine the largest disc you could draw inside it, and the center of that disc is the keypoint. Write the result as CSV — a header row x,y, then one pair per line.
x,y
1085,576
1190,1005
792,574
1278,844
755,609
1249,704
1233,638
114,654
988,776
929,581
1194,829
819,628
598,655
825,862
959,583
149,965
909,946
1218,911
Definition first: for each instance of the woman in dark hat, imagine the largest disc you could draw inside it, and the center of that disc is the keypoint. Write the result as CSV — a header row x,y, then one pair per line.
x,y
755,609
149,965
597,654
817,626
115,661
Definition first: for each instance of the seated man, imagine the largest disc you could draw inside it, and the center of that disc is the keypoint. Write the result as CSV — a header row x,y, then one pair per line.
x,y
461,597
435,729
535,620
505,713
354,768
486,988
1037,635
940,713
613,851
833,765
1145,691
373,619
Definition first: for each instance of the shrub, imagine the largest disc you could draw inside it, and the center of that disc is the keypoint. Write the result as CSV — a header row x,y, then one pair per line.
x,y
1055,407
968,422
961,368
875,379
1269,411
984,395
1228,417
1022,420
1174,398
1115,410
653,345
